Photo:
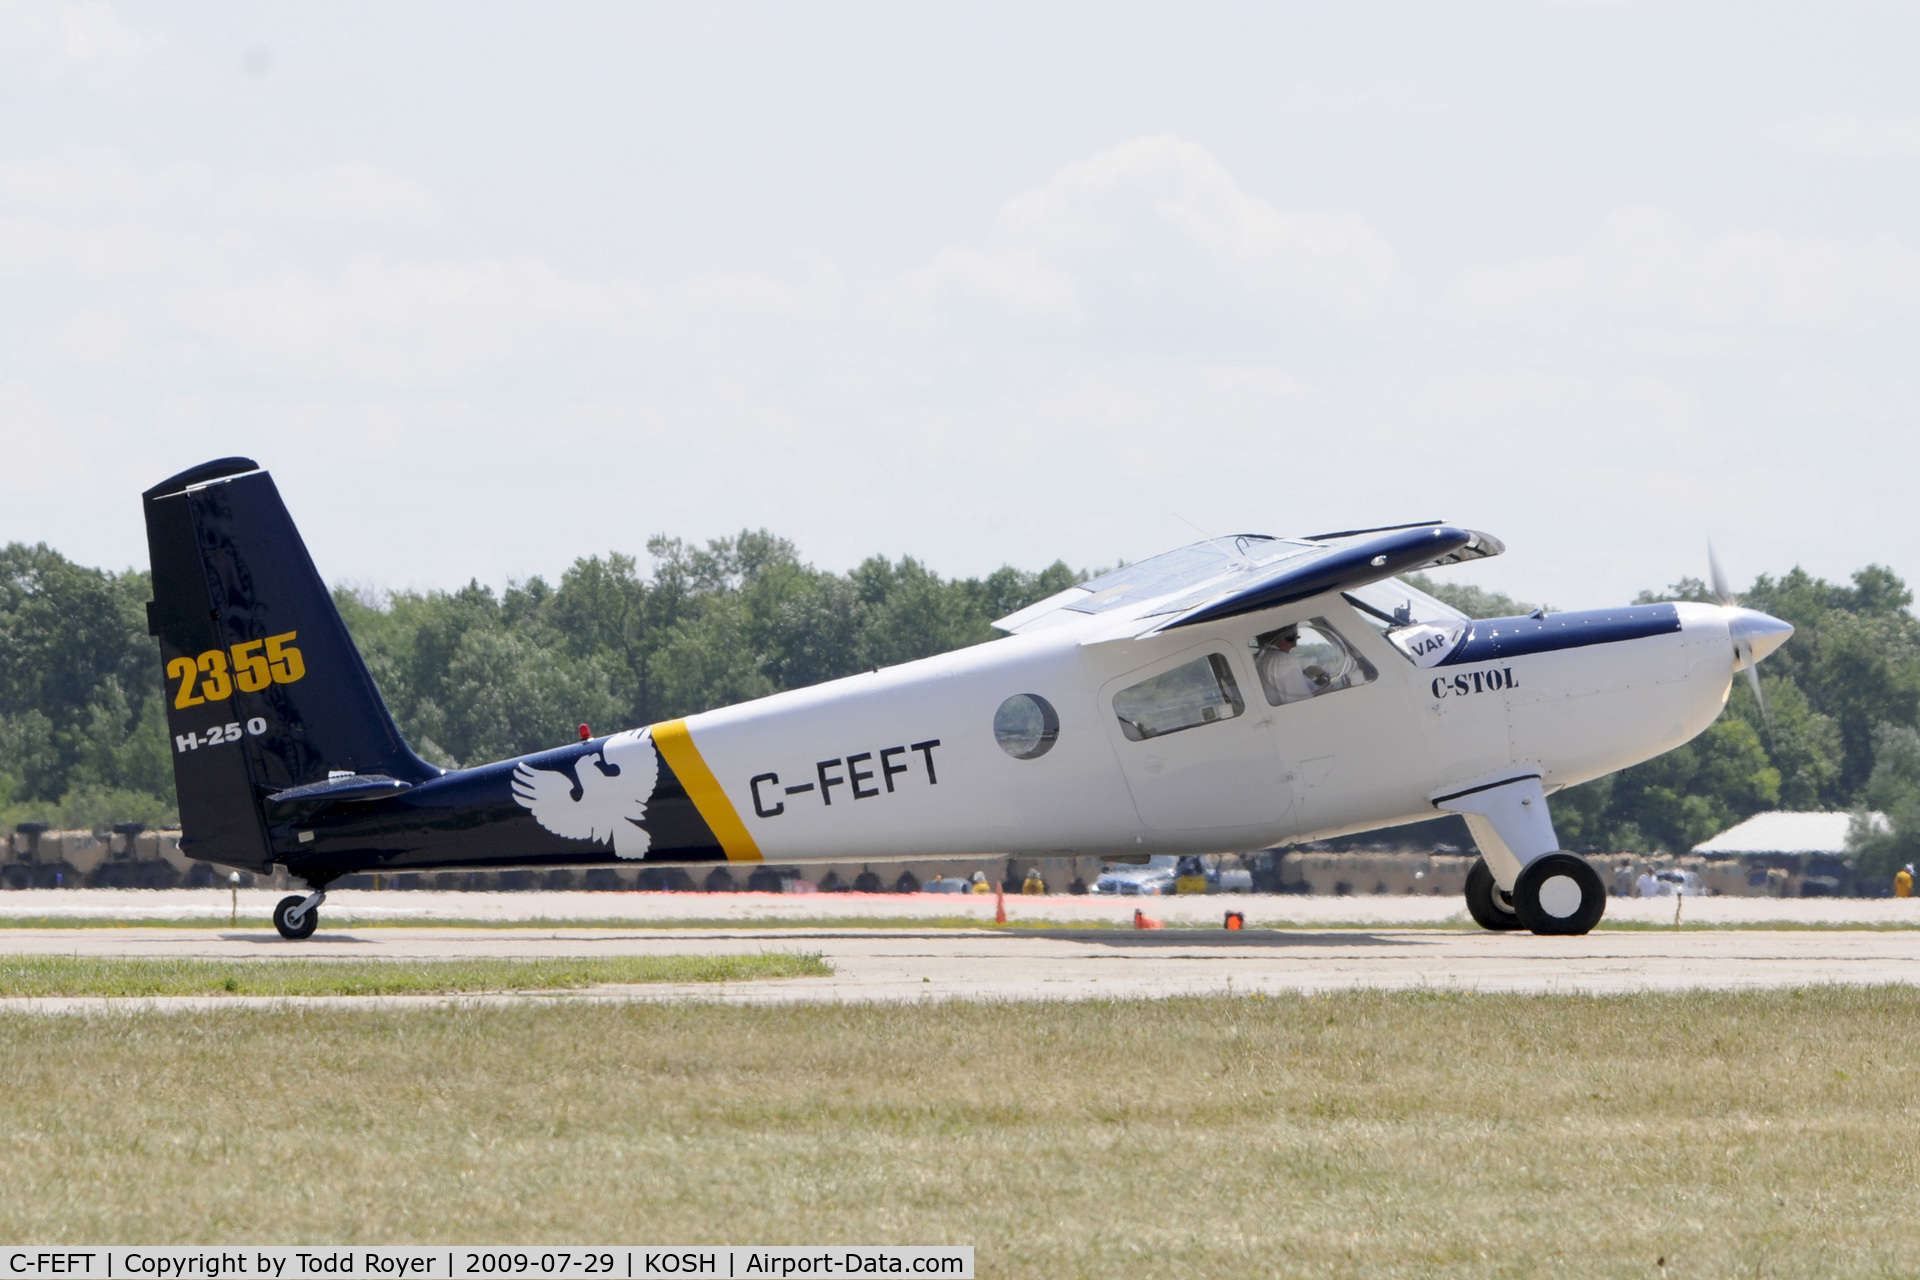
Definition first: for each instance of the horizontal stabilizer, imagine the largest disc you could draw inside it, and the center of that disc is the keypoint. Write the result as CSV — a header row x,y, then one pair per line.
x,y
355,788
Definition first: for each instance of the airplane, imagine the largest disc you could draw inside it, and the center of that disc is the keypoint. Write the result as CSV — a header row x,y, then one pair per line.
x,y
1239,693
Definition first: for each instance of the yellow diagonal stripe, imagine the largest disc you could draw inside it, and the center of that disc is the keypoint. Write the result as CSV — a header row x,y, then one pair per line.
x,y
676,747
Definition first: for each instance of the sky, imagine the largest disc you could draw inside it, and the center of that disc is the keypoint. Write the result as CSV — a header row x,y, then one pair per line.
x,y
490,287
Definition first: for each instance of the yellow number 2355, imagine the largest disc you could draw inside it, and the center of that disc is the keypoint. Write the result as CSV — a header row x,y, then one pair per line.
x,y
256,664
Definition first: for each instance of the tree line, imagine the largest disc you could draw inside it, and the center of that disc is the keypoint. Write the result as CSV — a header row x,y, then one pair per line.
x,y
473,675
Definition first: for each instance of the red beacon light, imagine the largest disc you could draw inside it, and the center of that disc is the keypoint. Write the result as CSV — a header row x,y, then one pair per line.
x,y
585,733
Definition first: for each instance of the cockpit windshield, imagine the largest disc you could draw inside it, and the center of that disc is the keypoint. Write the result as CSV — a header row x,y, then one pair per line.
x,y
1422,628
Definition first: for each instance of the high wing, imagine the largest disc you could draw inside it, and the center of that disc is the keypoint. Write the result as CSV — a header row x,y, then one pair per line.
x,y
1227,577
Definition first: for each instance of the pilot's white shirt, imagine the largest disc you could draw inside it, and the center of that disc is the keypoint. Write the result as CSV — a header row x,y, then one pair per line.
x,y
1280,673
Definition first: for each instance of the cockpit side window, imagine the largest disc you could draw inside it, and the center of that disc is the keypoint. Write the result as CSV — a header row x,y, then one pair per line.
x,y
1192,694
1307,660
1422,628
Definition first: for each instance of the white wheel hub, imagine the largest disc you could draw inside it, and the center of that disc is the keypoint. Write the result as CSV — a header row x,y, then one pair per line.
x,y
1560,896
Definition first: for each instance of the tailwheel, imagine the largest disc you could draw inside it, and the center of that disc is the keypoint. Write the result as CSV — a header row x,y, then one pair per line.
x,y
297,916
1487,902
1559,893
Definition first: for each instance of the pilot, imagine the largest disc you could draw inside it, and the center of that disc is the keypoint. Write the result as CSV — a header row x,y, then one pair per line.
x,y
1281,674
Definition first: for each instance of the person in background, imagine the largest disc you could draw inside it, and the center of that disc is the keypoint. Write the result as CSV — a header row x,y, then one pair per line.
x,y
1033,885
1903,882
980,884
1190,876
1647,886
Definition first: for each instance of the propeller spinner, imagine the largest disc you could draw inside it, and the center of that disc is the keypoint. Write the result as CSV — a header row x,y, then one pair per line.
x,y
1754,634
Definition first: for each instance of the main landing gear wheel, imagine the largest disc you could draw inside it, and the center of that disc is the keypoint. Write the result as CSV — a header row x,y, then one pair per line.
x,y
1559,893
1487,902
302,925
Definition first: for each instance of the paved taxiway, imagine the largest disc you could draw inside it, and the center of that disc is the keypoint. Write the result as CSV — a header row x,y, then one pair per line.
x,y
905,964
349,907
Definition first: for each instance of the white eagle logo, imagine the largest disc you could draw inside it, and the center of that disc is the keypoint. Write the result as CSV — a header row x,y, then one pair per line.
x,y
615,785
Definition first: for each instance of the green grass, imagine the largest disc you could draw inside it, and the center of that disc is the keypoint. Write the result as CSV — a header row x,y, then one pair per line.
x,y
114,976
1770,1134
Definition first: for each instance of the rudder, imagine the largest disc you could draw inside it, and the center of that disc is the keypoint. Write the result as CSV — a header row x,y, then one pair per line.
x,y
265,689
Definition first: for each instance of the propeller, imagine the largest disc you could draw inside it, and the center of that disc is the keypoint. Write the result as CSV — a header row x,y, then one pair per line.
x,y
1742,645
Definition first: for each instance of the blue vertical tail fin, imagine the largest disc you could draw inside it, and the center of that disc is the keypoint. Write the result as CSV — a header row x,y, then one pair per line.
x,y
265,689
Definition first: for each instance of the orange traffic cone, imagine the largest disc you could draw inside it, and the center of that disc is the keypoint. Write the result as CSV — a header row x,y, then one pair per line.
x,y
1141,920
1000,904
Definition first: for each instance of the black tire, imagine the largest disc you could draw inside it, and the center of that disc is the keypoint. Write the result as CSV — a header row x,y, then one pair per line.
x,y
308,923
1560,894
1489,907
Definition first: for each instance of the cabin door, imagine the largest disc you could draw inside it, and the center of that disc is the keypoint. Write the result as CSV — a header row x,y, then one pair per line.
x,y
1198,752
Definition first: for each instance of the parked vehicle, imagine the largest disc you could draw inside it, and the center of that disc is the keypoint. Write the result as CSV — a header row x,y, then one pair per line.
x,y
1129,880
1196,874
1677,884
1231,880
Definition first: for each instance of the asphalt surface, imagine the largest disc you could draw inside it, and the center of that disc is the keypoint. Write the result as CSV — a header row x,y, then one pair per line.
x,y
1066,964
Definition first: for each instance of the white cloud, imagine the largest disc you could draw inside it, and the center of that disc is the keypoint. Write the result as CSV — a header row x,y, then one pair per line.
x,y
1383,97
1154,229
1822,392
1041,386
335,193
1648,285
1109,208
61,40
98,183
1851,136
83,460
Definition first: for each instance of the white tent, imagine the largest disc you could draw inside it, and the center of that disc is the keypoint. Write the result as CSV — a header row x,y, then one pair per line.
x,y
1783,832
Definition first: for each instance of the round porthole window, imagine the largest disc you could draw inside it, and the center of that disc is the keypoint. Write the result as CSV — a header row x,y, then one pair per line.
x,y
1025,726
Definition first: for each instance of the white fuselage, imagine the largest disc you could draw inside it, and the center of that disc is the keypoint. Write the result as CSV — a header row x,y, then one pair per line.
x,y
904,763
